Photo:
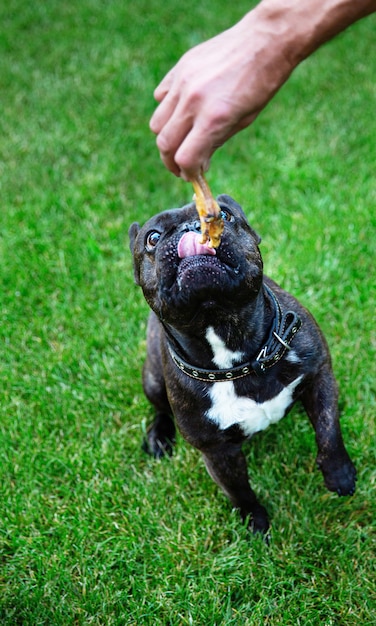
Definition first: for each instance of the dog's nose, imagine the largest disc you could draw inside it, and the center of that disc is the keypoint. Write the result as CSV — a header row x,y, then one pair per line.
x,y
187,226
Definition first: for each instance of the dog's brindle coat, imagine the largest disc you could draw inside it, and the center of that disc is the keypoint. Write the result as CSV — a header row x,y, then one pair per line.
x,y
210,315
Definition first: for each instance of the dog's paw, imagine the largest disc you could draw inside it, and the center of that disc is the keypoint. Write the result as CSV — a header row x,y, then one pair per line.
x,y
258,522
339,476
160,437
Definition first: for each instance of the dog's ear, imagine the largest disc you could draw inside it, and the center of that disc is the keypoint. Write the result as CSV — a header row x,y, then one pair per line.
x,y
230,202
235,206
134,229
256,236
133,232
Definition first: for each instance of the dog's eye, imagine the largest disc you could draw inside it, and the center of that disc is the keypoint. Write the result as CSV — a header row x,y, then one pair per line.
x,y
152,240
227,215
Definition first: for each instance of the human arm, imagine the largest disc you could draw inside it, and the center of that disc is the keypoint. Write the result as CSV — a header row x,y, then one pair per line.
x,y
219,87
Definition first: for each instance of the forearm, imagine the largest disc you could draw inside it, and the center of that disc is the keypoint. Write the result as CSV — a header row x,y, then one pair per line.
x,y
302,26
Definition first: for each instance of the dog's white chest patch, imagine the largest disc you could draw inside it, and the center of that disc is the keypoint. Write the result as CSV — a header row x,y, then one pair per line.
x,y
228,408
223,357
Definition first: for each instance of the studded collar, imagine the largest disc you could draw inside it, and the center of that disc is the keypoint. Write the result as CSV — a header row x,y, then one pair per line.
x,y
284,327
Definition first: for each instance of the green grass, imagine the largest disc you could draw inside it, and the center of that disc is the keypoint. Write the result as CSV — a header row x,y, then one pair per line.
x,y
92,531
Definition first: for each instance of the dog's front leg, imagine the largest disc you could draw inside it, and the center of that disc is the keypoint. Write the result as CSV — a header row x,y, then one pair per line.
x,y
320,400
228,468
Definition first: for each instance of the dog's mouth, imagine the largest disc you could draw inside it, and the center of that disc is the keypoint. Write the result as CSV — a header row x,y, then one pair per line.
x,y
201,266
204,271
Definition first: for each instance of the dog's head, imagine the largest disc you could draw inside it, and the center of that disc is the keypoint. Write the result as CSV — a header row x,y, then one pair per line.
x,y
181,279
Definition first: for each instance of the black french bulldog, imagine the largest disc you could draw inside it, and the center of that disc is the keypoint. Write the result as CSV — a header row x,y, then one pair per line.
x,y
229,352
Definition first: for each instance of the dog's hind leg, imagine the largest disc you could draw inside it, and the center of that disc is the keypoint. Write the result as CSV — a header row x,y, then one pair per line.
x,y
320,401
228,468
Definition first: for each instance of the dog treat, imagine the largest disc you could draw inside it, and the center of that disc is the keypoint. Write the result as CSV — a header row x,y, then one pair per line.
x,y
210,214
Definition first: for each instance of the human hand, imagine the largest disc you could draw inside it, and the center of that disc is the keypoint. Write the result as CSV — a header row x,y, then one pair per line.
x,y
215,90
219,87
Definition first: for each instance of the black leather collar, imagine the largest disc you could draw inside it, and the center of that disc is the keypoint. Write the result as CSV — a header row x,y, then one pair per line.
x,y
284,328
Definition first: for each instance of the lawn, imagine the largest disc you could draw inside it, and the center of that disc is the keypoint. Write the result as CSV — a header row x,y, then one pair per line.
x,y
92,531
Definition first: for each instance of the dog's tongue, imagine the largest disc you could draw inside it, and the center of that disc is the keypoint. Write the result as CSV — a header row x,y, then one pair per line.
x,y
189,245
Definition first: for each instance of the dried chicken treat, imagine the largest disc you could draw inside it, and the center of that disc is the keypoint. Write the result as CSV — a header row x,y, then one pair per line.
x,y
210,214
